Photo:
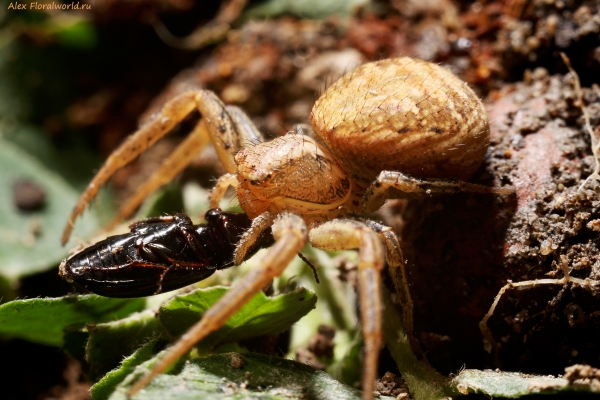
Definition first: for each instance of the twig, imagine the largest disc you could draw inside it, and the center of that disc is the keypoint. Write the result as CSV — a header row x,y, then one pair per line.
x,y
212,32
488,340
588,126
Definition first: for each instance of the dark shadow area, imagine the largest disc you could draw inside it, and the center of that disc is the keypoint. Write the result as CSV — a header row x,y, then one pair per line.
x,y
453,247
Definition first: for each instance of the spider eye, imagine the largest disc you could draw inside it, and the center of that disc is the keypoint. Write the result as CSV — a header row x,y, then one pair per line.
x,y
254,182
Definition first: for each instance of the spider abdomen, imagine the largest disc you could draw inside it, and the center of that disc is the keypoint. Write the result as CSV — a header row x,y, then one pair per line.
x,y
403,115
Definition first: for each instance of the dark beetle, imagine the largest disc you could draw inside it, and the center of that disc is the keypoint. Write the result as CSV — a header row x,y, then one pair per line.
x,y
160,254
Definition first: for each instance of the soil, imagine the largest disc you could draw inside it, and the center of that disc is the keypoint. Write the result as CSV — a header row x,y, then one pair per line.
x,y
468,246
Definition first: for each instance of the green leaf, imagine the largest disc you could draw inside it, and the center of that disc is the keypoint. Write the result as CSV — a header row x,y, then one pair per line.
x,y
44,320
348,369
8,291
167,200
513,385
311,9
78,33
261,315
110,342
260,377
29,241
107,385
424,382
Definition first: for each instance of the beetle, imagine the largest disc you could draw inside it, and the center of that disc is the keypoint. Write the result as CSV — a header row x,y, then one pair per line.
x,y
160,254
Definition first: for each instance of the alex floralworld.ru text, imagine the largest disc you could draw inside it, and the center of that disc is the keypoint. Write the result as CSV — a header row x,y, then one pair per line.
x,y
48,6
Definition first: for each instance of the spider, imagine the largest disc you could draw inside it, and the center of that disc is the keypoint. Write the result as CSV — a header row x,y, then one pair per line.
x,y
395,128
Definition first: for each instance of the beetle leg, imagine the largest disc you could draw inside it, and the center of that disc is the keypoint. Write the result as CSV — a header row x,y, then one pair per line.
x,y
156,253
138,225
189,235
290,235
396,185
347,234
159,285
146,252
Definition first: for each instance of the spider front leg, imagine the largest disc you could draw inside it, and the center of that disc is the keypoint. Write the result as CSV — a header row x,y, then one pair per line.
x,y
172,113
289,231
241,132
227,127
396,185
169,169
221,187
342,234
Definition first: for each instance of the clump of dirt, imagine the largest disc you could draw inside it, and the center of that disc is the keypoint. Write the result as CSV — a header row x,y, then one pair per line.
x,y
272,69
392,385
468,246
534,32
28,195
320,348
583,373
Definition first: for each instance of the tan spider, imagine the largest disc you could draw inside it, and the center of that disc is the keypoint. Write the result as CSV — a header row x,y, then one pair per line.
x,y
395,128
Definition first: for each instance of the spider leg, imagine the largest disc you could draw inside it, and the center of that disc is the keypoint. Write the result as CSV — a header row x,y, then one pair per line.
x,y
221,187
169,169
248,135
396,185
171,114
245,133
249,238
348,234
228,128
290,234
397,270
